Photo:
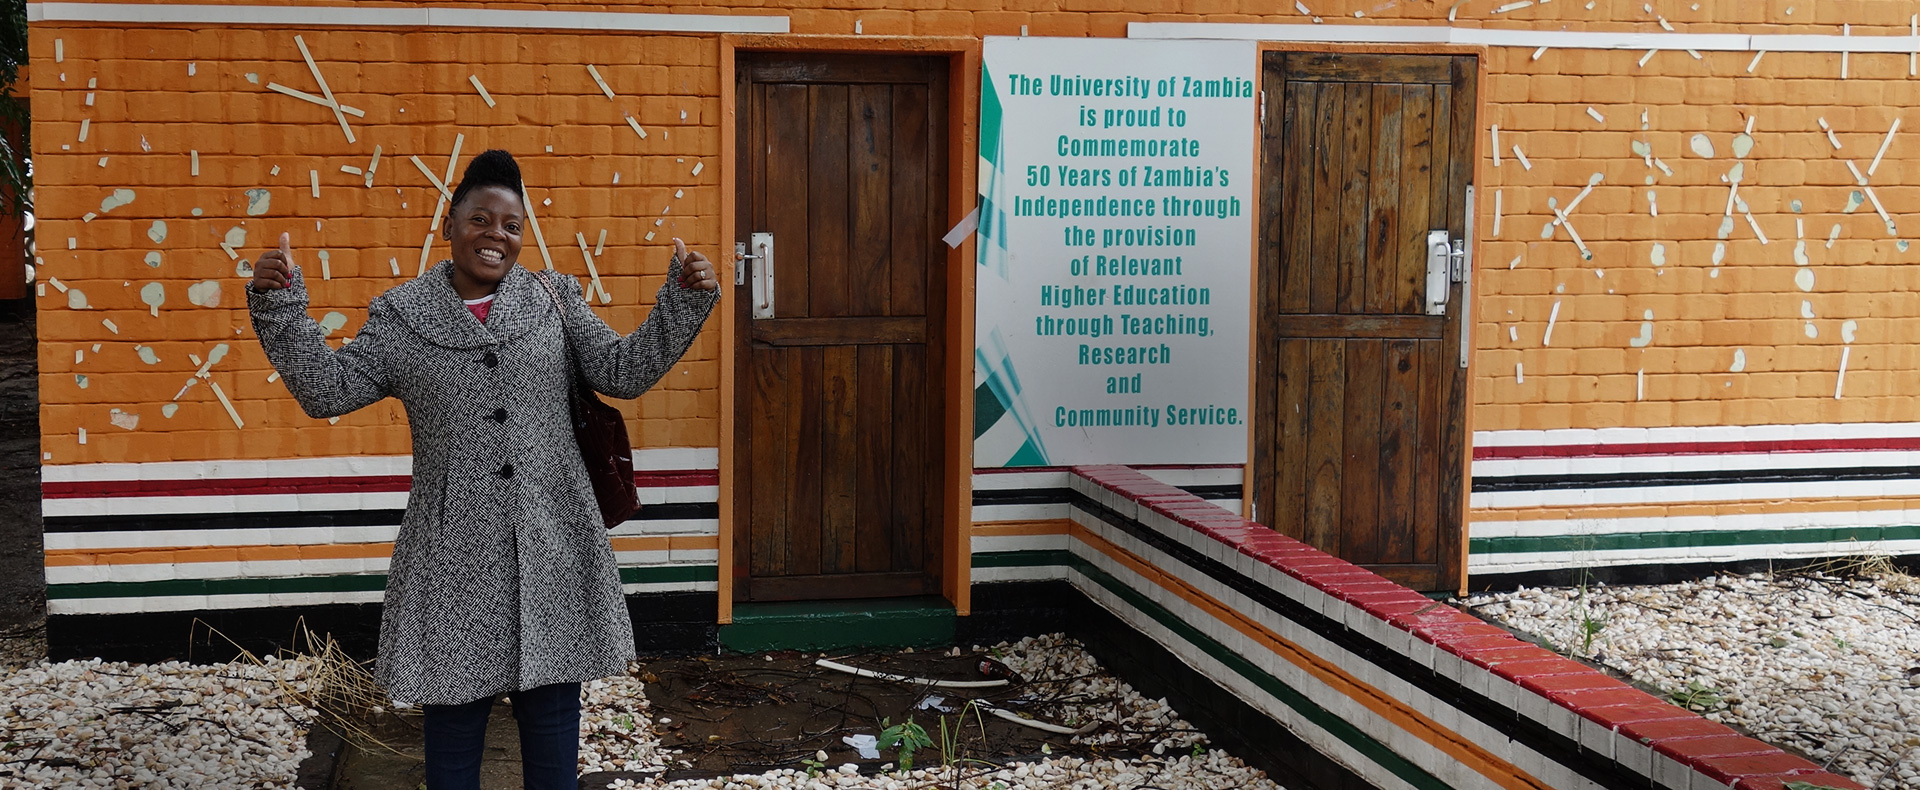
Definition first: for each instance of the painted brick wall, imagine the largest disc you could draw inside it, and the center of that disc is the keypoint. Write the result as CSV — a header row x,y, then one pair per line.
x,y
1682,326
587,172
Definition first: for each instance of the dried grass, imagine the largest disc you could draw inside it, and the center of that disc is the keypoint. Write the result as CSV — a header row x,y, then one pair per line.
x,y
340,692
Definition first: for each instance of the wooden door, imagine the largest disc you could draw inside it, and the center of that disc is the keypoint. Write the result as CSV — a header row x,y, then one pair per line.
x,y
843,160
1361,393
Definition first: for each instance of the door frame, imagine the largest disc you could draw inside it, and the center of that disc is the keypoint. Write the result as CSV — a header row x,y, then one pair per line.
x,y
956,413
1482,218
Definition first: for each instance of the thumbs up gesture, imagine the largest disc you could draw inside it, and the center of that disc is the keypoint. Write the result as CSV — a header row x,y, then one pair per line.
x,y
696,272
274,270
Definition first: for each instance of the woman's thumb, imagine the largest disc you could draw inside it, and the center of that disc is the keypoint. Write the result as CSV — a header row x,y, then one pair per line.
x,y
284,239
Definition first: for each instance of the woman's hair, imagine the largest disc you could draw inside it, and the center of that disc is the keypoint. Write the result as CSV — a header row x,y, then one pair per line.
x,y
492,168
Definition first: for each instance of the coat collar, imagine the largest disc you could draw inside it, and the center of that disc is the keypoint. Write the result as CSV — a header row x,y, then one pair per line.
x,y
431,307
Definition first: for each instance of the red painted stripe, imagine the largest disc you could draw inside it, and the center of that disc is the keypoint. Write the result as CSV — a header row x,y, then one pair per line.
x,y
346,484
1697,448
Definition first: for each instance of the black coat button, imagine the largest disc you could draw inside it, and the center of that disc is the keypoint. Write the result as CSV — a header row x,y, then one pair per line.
x,y
490,360
506,470
499,416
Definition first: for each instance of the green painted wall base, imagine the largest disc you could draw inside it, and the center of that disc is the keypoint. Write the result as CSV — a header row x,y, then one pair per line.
x,y
834,625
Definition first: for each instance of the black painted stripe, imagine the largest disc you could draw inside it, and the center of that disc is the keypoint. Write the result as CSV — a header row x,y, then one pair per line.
x,y
282,519
1483,483
1500,718
1061,496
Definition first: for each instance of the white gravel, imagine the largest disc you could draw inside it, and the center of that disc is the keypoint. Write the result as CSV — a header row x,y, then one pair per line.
x,y
1213,770
1827,666
1086,693
93,724
616,732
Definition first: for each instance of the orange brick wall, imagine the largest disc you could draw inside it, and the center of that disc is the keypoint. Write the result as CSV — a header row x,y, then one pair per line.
x,y
1796,187
148,113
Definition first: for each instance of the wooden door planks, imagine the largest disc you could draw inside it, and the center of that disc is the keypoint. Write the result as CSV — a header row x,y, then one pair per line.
x,y
1359,439
828,205
840,451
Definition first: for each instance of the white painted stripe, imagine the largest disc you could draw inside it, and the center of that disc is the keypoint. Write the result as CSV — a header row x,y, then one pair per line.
x,y
1534,561
288,503
1020,573
269,569
986,513
209,538
1001,481
250,503
1414,749
345,466
316,536
1206,476
1709,433
705,527
1726,492
1402,742
1529,39
363,16
642,559
991,543
1732,522
179,603
287,569
651,459
659,587
1628,464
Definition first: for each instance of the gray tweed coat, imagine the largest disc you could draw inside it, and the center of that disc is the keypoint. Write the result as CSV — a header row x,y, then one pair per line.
x,y
502,577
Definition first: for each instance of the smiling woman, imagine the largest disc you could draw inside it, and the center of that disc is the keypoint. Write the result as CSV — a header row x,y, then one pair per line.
x,y
502,579
483,224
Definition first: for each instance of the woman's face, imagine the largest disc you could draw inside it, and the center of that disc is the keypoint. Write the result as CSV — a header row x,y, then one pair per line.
x,y
484,230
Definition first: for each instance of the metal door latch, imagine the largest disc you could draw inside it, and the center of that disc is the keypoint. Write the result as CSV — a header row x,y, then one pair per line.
x,y
762,275
1440,270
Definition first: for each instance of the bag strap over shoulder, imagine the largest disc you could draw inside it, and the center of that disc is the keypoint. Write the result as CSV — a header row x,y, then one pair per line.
x,y
567,343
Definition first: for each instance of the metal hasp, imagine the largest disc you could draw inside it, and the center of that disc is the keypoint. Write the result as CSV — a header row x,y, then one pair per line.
x,y
1439,271
762,275
740,258
1463,250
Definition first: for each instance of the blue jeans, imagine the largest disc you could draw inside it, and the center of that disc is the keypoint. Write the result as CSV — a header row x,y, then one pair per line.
x,y
549,719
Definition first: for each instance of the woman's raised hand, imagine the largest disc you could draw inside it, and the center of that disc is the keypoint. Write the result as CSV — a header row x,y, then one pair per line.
x,y
696,271
274,270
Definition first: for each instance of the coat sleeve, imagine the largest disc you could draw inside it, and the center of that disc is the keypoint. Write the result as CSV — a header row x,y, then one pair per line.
x,y
325,381
625,367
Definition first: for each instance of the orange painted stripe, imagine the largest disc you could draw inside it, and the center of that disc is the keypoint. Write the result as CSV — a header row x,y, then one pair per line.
x,y
184,555
1696,509
1394,711
1049,526
63,558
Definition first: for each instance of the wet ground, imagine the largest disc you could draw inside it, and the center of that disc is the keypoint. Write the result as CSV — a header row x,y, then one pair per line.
x,y
725,715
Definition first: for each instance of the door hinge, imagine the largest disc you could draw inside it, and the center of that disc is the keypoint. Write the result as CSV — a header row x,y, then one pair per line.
x,y
1263,109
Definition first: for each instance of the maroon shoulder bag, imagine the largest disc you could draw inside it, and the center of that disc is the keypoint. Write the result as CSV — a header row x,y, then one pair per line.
x,y
601,433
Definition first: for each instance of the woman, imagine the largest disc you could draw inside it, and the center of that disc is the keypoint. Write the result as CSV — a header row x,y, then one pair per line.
x,y
502,579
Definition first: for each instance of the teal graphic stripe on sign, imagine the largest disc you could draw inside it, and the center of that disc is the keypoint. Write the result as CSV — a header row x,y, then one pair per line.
x,y
1004,384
